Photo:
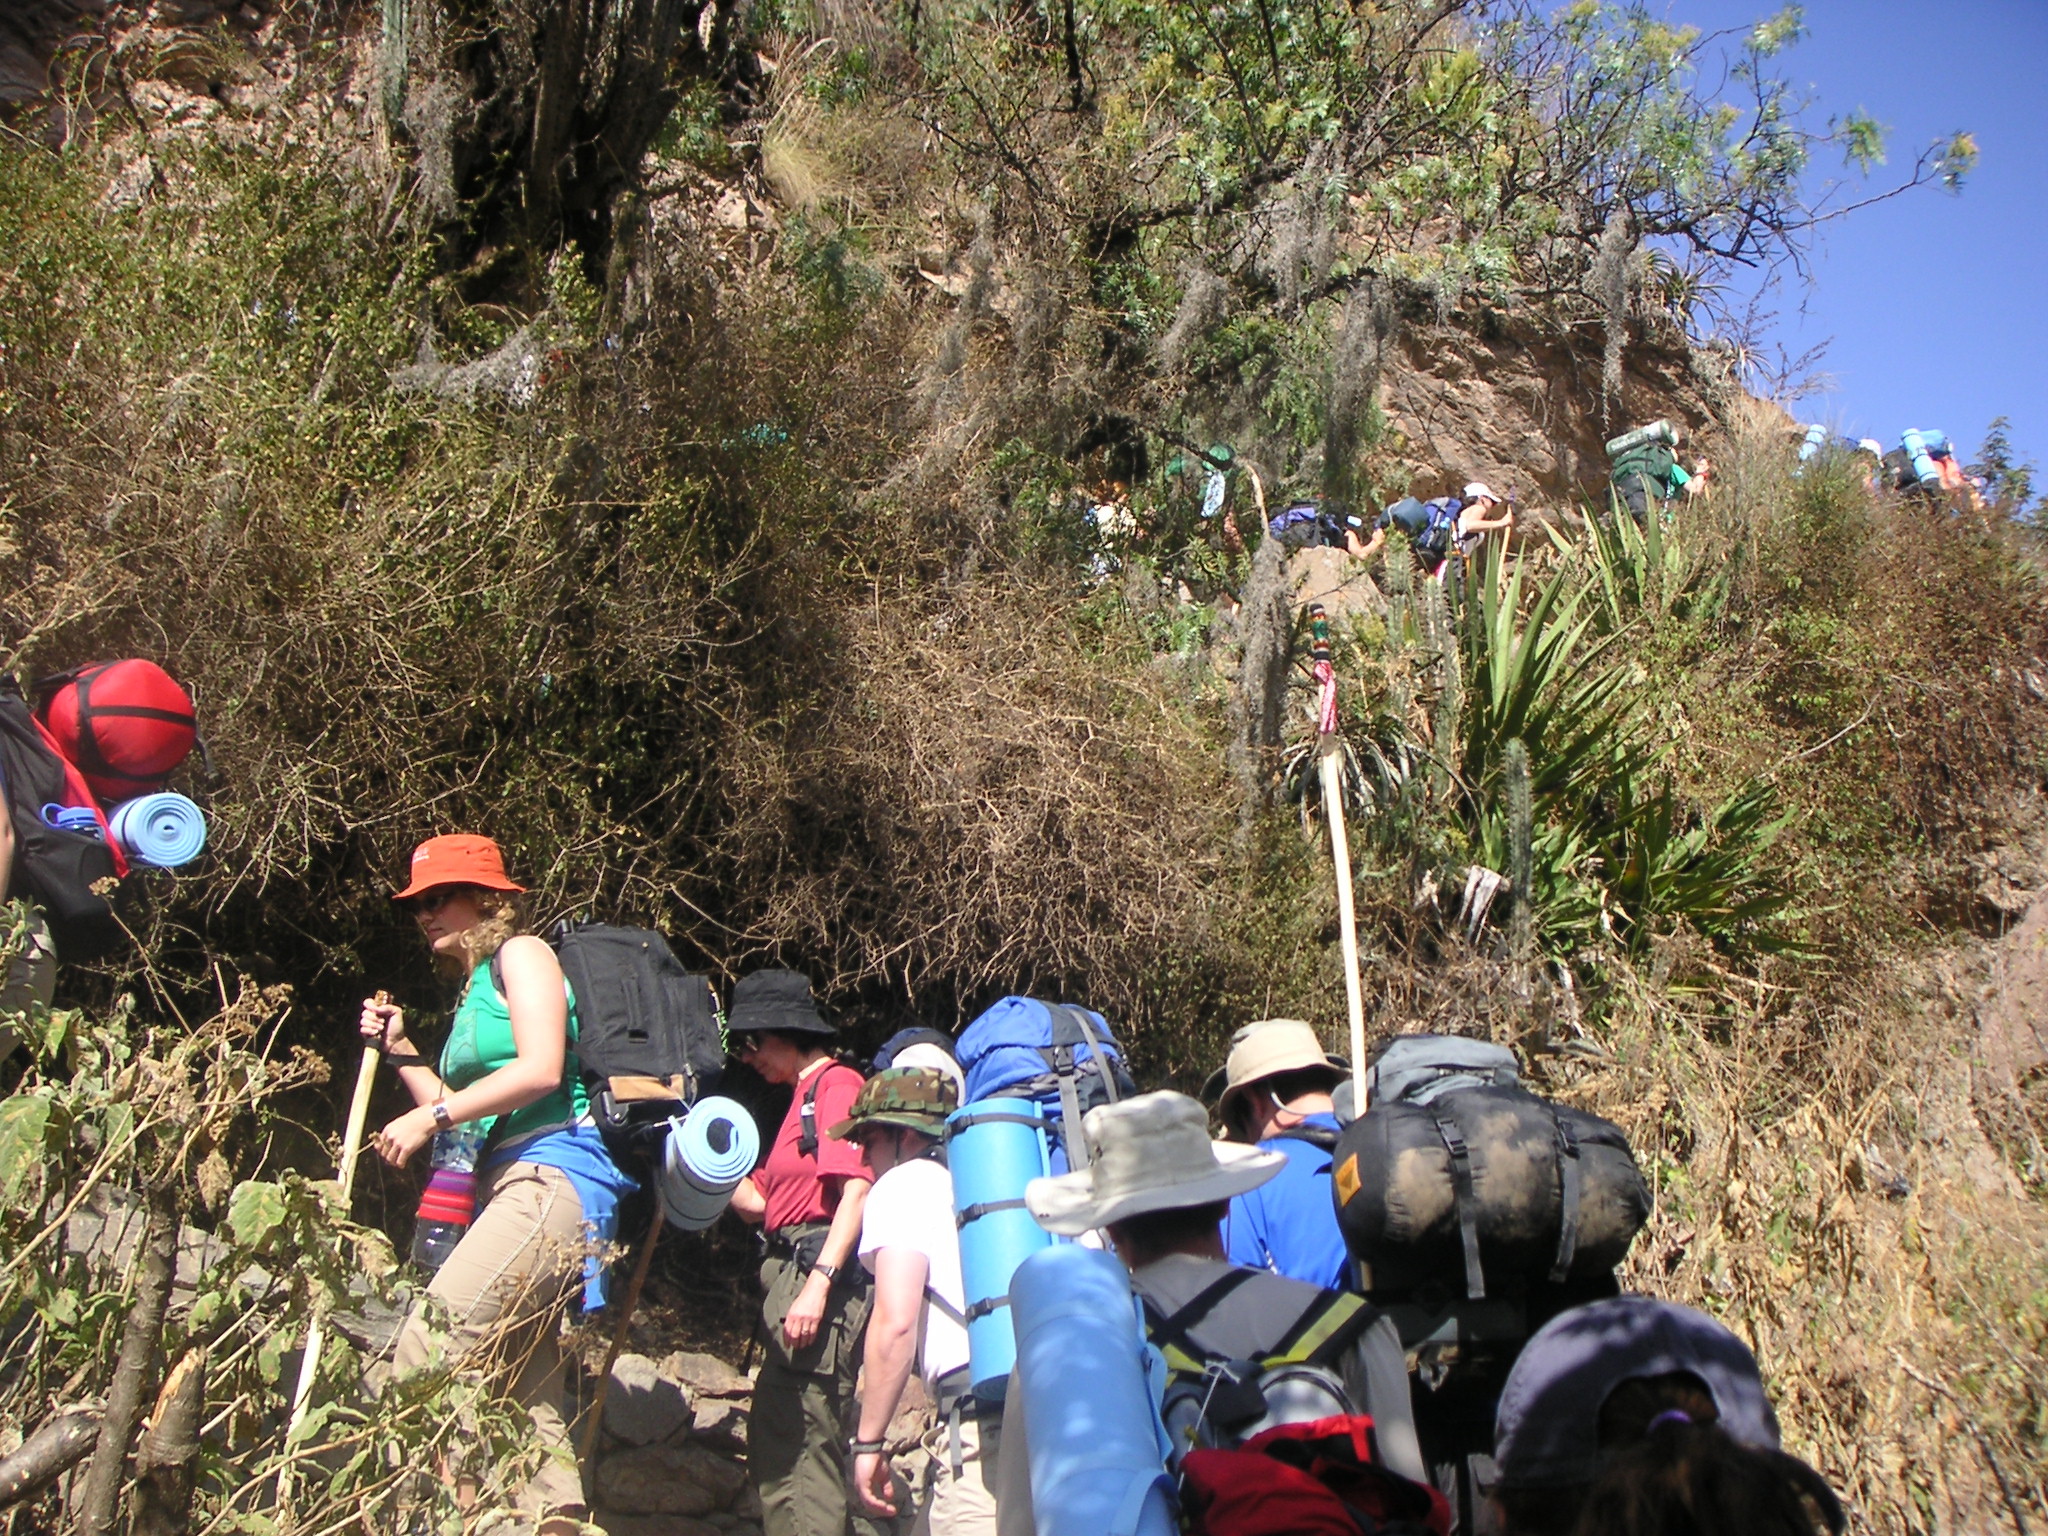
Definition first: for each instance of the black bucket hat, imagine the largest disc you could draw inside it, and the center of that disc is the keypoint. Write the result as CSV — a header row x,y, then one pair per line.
x,y
775,1002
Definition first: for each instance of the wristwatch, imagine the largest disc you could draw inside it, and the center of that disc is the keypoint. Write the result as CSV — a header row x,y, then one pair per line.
x,y
867,1447
829,1271
442,1118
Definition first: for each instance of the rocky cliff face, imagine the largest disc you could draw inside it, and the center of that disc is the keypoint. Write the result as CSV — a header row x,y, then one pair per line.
x,y
1483,397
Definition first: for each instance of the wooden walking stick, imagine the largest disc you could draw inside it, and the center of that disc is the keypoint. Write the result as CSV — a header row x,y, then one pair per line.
x,y
611,1354
1329,761
345,1175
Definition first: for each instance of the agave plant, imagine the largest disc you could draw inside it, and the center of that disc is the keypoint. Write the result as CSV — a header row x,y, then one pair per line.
x,y
1649,572
1612,848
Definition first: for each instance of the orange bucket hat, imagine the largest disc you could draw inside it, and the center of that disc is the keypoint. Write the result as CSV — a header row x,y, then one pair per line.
x,y
460,858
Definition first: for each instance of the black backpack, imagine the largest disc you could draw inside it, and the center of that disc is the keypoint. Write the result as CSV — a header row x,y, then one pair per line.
x,y
1456,1170
57,868
650,1035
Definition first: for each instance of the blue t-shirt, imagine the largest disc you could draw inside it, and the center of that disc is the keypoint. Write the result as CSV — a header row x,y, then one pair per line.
x,y
578,1151
1289,1223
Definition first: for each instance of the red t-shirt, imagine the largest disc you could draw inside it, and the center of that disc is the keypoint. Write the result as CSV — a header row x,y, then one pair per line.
x,y
794,1185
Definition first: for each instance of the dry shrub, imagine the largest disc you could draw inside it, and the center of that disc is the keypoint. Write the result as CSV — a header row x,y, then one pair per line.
x,y
981,804
1823,1188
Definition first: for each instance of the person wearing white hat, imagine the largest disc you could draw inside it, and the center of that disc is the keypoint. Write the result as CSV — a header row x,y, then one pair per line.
x,y
1275,1093
1476,521
1158,1187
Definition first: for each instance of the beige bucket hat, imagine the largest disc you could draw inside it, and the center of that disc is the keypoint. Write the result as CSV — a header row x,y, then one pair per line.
x,y
1266,1048
1152,1153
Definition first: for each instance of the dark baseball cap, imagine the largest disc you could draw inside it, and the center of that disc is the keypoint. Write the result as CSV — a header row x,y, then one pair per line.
x,y
1546,1431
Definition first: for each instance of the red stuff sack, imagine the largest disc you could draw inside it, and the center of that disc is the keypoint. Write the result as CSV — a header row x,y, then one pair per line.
x,y
126,724
1321,1478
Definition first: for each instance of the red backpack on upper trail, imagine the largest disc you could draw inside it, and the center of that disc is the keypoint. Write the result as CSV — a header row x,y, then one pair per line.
x,y
127,725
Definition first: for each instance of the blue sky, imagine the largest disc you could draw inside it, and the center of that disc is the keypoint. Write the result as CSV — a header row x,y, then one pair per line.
x,y
1935,307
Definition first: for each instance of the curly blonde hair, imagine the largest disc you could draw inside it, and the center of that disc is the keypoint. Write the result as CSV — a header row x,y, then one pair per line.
x,y
500,917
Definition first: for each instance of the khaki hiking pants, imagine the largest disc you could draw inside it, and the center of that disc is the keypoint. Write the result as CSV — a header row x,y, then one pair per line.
x,y
803,1412
963,1505
503,1288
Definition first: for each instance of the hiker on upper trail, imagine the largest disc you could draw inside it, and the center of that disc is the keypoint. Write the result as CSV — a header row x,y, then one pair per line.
x,y
1160,1188
1924,464
1644,468
1436,529
1276,1087
1431,526
1635,1416
808,1195
1476,521
546,1190
909,1243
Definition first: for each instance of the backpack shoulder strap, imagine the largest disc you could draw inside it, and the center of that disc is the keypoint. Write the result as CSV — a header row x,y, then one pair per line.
x,y
1173,1333
1068,1025
807,1115
1315,1135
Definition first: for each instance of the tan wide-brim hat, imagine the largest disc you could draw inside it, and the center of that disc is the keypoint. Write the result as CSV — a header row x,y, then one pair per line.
x,y
1265,1049
1152,1153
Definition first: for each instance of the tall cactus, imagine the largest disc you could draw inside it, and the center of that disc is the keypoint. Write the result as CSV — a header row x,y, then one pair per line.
x,y
392,62
1521,852
1400,575
1440,641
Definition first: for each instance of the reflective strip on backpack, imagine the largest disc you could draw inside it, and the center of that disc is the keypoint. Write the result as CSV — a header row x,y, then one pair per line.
x,y
1321,1332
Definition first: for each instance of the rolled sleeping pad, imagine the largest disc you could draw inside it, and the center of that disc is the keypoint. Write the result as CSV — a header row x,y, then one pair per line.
x,y
1091,1417
1917,450
162,831
708,1152
994,1147
1655,432
1815,440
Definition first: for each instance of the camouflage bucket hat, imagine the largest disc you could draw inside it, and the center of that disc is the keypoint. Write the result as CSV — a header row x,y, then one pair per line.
x,y
916,1098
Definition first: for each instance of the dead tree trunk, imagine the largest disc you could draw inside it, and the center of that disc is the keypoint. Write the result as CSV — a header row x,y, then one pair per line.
x,y
133,1366
165,1460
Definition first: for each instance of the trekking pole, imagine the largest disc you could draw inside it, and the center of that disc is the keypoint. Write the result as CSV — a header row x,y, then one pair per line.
x,y
618,1343
1328,755
345,1176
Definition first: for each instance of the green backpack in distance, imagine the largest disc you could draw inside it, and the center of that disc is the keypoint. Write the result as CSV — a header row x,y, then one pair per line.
x,y
1654,461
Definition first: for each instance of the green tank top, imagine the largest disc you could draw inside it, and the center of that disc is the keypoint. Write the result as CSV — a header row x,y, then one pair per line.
x,y
480,1042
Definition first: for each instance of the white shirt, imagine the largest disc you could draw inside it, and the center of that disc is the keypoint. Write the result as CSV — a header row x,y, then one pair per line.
x,y
911,1206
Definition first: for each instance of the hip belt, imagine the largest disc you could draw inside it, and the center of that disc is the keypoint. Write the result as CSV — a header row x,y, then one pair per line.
x,y
803,1242
954,1397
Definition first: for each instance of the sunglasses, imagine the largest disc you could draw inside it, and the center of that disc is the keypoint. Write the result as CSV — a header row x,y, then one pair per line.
x,y
429,902
745,1045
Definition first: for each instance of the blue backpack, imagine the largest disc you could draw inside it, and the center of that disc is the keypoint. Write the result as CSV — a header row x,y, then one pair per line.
x,y
1053,1054
1305,525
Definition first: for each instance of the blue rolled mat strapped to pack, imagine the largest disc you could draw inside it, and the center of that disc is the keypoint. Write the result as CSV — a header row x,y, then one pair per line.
x,y
162,831
1922,448
1090,1388
994,1147
708,1152
1816,439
